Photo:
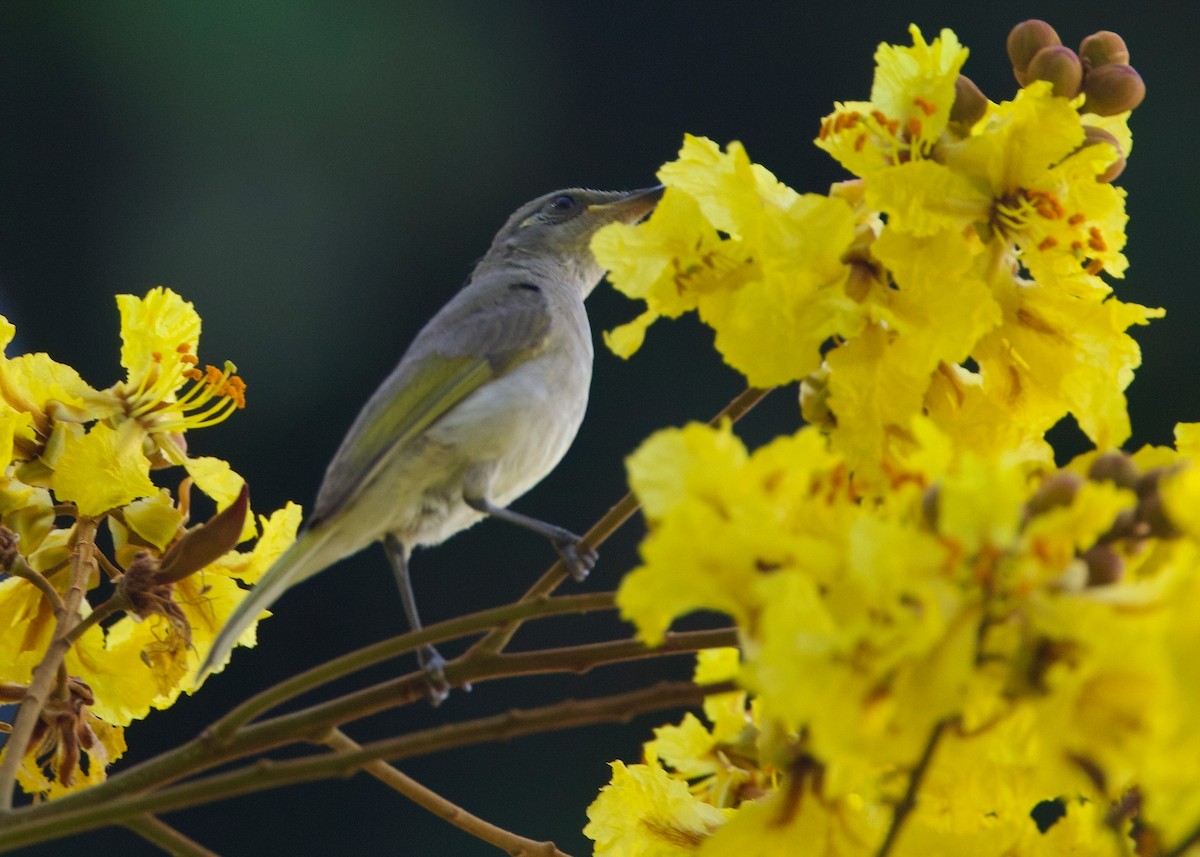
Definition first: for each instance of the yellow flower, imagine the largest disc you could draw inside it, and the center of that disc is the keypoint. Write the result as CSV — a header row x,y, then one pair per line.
x,y
1056,353
159,335
71,746
148,662
761,263
644,812
718,519
35,391
62,441
934,316
801,822
910,105
102,469
921,592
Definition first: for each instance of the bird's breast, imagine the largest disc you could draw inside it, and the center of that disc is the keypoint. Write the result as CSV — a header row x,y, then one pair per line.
x,y
521,423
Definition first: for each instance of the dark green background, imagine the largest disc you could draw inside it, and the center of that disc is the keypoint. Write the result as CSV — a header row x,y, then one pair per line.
x,y
318,177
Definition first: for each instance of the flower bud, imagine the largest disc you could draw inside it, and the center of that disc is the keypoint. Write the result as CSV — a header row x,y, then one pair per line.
x,y
1103,48
1104,565
1024,41
1115,467
1093,135
970,104
1112,89
1061,66
1057,489
1152,513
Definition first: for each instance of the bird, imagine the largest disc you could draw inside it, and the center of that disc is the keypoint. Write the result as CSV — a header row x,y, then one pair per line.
x,y
483,404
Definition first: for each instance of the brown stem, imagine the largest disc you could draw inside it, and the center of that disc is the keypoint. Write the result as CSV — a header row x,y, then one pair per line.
x,y
424,797
20,568
83,564
111,570
495,641
909,801
266,774
167,838
583,658
359,659
114,604
314,722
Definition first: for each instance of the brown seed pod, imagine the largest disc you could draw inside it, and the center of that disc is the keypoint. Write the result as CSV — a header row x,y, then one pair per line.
x,y
1061,66
1112,89
1152,512
970,104
1024,41
1103,48
1057,489
1104,565
1115,467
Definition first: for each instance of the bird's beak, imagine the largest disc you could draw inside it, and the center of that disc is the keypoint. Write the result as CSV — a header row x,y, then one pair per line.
x,y
633,206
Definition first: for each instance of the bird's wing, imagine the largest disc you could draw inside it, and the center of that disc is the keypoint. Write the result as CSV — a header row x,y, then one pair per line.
x,y
475,338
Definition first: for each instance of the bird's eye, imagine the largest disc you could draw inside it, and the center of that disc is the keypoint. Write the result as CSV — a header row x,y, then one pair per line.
x,y
562,203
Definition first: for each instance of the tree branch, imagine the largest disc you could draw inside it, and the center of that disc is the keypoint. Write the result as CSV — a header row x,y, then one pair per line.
x,y
167,838
83,563
25,828
448,811
20,568
314,722
909,802
497,640
384,650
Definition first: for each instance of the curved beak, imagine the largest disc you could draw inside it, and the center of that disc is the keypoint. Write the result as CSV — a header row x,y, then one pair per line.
x,y
632,206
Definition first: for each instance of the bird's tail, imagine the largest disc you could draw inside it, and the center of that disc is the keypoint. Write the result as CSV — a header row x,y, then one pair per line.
x,y
303,559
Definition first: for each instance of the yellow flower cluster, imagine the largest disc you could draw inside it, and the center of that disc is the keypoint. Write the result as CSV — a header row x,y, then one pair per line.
x,y
948,645
71,453
957,276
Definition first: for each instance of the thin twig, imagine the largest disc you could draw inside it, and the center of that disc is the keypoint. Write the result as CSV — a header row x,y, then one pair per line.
x,y
167,838
445,809
909,801
495,641
111,570
20,568
313,722
583,658
103,610
83,563
26,828
386,649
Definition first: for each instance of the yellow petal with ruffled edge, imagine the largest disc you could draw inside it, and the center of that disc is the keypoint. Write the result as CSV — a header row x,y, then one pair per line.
x,y
103,469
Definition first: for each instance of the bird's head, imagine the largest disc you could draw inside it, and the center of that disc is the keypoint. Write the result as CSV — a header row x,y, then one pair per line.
x,y
552,234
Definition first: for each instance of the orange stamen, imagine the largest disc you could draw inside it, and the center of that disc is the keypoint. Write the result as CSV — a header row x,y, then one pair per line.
x,y
927,107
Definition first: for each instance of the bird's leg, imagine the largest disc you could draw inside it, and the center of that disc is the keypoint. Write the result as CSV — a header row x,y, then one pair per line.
x,y
578,557
427,656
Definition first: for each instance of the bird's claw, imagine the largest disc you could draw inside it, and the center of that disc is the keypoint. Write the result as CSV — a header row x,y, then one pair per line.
x,y
579,558
434,667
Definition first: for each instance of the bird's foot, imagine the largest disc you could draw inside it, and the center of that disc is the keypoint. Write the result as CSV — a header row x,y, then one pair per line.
x,y
434,667
579,558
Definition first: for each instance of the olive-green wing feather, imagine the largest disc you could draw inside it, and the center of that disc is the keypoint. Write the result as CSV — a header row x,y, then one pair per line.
x,y
487,329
